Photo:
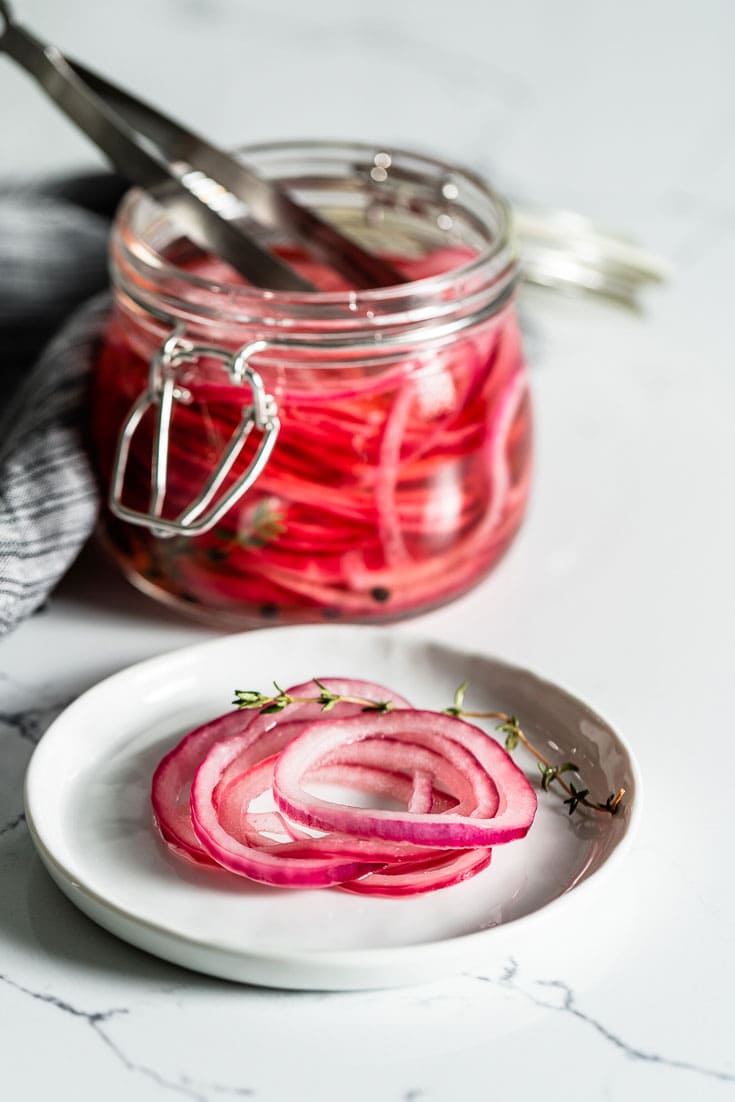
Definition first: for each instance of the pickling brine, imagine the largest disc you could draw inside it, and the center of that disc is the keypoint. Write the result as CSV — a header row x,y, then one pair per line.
x,y
397,469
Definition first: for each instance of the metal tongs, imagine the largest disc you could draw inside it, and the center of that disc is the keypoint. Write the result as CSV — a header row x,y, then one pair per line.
x,y
208,193
207,190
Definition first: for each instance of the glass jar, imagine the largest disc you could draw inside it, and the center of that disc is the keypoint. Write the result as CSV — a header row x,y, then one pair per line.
x,y
291,457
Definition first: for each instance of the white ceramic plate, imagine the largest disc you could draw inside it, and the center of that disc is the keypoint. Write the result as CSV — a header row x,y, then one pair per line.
x,y
87,802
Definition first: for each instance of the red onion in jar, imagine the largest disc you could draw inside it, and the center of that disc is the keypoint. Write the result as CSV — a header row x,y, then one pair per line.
x,y
398,467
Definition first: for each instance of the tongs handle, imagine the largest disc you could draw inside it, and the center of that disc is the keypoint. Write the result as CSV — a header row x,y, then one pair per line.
x,y
267,204
150,149
141,162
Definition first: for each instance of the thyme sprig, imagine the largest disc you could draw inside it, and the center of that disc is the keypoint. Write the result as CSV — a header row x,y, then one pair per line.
x,y
550,773
509,727
249,698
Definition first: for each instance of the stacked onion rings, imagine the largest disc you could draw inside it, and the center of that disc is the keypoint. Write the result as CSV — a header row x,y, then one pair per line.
x,y
458,793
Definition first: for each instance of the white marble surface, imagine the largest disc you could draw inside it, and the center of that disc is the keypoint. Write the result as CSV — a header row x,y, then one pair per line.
x,y
620,585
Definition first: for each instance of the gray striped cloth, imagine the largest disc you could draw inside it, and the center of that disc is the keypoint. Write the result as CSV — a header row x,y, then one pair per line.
x,y
53,244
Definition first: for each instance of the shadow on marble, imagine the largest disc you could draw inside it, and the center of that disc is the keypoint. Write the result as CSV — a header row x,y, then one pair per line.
x,y
95,584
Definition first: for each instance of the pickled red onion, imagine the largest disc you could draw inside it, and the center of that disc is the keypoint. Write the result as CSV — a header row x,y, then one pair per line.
x,y
497,817
388,491
172,779
417,878
461,792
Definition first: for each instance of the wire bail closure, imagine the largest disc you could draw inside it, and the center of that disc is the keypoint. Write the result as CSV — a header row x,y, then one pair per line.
x,y
162,392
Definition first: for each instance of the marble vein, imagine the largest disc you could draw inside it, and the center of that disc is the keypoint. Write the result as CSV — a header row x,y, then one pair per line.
x,y
567,1005
13,824
93,1018
29,724
185,1086
220,1088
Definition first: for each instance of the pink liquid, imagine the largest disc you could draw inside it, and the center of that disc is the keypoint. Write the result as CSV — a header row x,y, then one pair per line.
x,y
387,492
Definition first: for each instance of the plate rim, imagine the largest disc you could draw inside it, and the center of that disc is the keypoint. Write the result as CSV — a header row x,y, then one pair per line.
x,y
336,958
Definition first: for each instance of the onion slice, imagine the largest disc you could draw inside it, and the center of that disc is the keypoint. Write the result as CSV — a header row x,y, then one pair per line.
x,y
454,738
171,784
453,793
267,866
250,828
230,758
172,779
417,878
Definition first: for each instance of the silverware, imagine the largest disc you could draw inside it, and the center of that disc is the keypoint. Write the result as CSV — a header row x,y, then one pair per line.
x,y
558,249
208,192
206,189
565,251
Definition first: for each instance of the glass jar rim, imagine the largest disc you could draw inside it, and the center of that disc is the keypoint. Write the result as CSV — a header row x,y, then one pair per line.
x,y
494,267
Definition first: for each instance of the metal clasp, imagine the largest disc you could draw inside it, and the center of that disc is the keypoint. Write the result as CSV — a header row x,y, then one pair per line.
x,y
163,391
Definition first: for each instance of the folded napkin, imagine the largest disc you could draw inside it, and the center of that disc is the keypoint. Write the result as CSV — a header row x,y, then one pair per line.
x,y
53,258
